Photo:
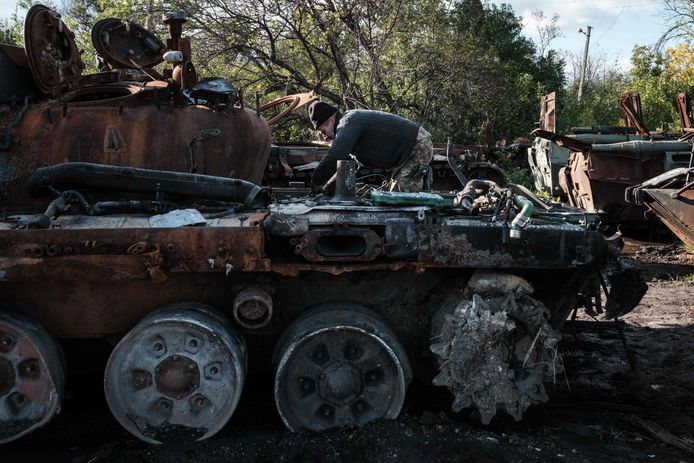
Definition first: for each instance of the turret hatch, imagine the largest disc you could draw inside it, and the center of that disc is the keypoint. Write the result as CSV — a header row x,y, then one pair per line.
x,y
126,45
53,56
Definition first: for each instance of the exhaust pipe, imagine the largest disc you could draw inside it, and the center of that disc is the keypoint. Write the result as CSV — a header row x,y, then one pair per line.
x,y
101,177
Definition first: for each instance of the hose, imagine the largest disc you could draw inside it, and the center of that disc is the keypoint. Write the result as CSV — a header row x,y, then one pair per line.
x,y
467,196
523,217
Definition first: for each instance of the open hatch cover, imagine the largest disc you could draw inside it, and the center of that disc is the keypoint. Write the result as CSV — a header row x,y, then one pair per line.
x,y
53,56
126,45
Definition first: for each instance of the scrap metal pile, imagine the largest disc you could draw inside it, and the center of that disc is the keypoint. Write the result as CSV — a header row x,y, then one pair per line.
x,y
205,277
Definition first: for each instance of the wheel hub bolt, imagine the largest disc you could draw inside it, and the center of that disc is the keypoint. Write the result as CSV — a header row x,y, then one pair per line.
x,y
16,401
6,376
29,369
6,342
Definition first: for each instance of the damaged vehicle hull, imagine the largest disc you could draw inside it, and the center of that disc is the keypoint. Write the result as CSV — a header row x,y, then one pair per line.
x,y
155,236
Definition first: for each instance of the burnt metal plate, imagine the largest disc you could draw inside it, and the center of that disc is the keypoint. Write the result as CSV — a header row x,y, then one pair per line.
x,y
340,245
54,59
124,44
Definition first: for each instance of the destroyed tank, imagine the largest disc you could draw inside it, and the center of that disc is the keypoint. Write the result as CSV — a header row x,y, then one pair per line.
x,y
345,297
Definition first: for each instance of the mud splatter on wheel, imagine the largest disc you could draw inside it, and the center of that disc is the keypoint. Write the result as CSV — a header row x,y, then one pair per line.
x,y
32,377
177,375
337,366
495,347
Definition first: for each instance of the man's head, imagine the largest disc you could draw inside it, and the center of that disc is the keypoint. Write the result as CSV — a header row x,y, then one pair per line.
x,y
322,117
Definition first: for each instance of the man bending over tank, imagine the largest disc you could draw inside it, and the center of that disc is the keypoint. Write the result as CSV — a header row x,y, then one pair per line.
x,y
377,139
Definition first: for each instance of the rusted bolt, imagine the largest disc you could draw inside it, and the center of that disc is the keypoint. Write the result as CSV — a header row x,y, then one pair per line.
x,y
29,368
158,347
193,343
53,250
164,404
170,247
16,401
141,379
214,370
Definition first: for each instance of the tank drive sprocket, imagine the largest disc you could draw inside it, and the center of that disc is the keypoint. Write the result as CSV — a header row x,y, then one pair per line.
x,y
494,347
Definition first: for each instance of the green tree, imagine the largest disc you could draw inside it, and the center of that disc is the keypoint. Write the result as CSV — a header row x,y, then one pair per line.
x,y
658,76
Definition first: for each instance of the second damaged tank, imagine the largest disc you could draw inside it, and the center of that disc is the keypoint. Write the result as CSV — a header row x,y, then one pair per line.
x,y
199,277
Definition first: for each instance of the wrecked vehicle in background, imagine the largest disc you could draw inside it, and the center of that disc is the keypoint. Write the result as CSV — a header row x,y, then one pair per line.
x,y
671,195
201,279
293,164
597,173
546,158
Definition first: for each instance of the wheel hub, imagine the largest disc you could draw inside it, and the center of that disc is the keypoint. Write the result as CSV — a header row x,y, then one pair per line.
x,y
340,383
31,377
339,367
177,376
6,376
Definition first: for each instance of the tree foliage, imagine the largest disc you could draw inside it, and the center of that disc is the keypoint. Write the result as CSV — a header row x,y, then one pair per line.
x,y
450,66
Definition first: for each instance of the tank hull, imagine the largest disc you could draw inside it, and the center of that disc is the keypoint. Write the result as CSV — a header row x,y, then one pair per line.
x,y
128,124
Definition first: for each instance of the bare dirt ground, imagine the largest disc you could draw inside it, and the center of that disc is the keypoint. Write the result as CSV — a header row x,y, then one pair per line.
x,y
612,404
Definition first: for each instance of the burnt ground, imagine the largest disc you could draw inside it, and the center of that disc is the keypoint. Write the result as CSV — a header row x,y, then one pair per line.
x,y
602,409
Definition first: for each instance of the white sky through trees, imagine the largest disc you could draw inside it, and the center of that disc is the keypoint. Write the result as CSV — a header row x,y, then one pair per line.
x,y
618,25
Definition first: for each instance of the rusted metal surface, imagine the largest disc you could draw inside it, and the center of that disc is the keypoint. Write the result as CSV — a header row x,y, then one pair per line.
x,y
125,254
341,244
671,197
54,58
596,182
16,75
127,45
684,109
127,117
548,115
293,102
94,270
630,102
462,244
131,129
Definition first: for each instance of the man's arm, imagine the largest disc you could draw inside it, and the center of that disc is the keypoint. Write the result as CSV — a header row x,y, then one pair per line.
x,y
345,139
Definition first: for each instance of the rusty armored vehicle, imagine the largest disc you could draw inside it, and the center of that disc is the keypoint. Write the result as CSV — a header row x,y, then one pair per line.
x,y
670,195
198,276
600,163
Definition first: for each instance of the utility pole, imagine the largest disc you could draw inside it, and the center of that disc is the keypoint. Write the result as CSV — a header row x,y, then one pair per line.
x,y
585,62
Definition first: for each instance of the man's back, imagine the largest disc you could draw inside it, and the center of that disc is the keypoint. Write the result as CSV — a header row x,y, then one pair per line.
x,y
376,138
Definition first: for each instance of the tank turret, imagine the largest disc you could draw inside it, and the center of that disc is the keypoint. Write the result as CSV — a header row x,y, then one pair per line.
x,y
130,116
